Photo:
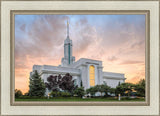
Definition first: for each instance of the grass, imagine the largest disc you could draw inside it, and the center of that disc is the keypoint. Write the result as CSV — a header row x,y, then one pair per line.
x,y
107,99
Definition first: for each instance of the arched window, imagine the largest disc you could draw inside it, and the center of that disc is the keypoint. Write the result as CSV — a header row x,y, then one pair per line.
x,y
92,75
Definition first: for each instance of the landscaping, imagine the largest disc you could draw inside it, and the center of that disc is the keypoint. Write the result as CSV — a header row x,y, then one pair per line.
x,y
63,89
76,99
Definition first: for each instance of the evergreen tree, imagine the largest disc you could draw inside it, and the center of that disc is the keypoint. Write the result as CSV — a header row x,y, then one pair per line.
x,y
36,85
140,88
119,83
81,84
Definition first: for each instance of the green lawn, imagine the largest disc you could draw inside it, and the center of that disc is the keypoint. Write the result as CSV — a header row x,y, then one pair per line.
x,y
80,99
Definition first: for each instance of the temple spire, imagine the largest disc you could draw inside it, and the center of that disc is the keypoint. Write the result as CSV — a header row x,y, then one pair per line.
x,y
67,28
68,59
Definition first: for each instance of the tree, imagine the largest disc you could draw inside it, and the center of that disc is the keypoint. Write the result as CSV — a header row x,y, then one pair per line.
x,y
59,83
26,94
36,85
80,91
112,90
140,88
119,90
91,91
18,93
53,83
105,89
119,83
81,84
67,84
124,87
99,88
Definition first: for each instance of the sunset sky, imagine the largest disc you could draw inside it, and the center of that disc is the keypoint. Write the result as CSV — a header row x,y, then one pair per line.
x,y
117,40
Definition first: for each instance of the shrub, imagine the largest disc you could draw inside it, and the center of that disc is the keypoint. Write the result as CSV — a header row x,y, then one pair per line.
x,y
18,93
91,91
98,88
55,94
24,97
79,91
65,94
124,89
32,97
26,94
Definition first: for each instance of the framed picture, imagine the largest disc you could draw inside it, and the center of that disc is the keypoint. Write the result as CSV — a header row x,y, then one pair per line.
x,y
80,58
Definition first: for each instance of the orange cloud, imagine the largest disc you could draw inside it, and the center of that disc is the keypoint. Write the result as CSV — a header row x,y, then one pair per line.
x,y
119,43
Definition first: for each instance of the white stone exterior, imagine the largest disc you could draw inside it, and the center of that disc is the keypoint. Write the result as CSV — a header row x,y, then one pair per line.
x,y
79,70
113,79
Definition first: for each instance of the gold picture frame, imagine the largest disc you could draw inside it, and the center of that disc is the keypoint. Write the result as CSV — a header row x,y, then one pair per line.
x,y
12,102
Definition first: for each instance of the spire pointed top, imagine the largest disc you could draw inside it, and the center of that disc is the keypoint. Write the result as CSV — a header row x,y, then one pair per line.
x,y
67,28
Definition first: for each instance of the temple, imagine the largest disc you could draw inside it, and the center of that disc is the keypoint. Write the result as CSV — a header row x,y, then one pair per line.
x,y
88,71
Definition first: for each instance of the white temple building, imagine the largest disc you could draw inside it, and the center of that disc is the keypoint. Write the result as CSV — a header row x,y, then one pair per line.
x,y
89,71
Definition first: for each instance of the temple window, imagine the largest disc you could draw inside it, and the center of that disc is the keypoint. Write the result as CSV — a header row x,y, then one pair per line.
x,y
92,75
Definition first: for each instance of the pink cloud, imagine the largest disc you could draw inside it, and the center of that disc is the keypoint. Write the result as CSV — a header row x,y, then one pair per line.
x,y
119,46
